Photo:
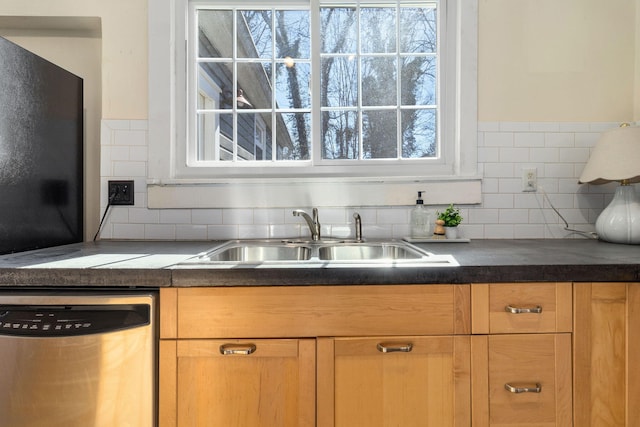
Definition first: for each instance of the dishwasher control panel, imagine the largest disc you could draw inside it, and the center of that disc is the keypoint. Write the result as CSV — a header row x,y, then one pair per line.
x,y
45,320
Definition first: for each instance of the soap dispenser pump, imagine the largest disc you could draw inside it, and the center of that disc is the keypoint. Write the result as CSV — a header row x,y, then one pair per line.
x,y
420,220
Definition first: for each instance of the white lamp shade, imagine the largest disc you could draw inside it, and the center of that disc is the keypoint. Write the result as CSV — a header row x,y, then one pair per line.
x,y
616,157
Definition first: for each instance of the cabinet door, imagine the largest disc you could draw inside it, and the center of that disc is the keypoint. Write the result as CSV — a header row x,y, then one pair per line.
x,y
259,383
607,354
394,381
522,380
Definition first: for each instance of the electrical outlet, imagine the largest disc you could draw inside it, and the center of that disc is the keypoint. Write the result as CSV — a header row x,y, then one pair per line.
x,y
121,192
529,180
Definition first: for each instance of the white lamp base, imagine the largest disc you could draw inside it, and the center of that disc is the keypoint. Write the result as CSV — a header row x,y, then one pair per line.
x,y
620,221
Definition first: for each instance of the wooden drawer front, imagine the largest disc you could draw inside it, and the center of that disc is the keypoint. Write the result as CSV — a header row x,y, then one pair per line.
x,y
528,361
511,308
417,381
311,311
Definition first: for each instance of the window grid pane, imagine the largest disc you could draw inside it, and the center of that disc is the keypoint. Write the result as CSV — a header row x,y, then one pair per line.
x,y
382,60
378,83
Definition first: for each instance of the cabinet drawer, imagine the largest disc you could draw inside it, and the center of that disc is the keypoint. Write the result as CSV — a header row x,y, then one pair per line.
x,y
528,380
312,311
521,308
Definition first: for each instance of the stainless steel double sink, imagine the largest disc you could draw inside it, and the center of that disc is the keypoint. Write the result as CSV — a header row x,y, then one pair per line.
x,y
308,253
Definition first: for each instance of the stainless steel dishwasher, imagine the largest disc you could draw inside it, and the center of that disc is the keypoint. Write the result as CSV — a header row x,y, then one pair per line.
x,y
77,359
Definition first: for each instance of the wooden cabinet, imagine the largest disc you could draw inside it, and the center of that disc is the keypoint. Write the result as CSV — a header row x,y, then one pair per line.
x,y
607,354
261,383
521,354
390,355
394,381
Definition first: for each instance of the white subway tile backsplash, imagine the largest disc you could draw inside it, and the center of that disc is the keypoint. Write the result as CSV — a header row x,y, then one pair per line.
x,y
528,139
237,216
574,155
499,231
528,231
191,232
499,170
558,151
260,231
129,169
559,201
498,139
269,216
586,140
510,185
392,216
128,231
489,154
175,216
206,216
559,170
284,231
130,137
160,232
483,216
491,185
527,201
143,215
508,155
119,152
138,153
559,139
222,232
498,201
544,155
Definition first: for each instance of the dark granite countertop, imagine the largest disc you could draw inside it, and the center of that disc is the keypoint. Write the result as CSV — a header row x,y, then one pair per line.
x,y
149,264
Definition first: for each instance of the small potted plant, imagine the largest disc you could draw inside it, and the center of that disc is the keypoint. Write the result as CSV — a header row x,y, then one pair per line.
x,y
452,218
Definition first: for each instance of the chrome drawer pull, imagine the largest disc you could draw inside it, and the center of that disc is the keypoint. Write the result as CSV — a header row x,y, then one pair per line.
x,y
514,389
392,348
520,310
237,348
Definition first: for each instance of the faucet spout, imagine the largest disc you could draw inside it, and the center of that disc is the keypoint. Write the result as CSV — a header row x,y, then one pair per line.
x,y
358,227
312,222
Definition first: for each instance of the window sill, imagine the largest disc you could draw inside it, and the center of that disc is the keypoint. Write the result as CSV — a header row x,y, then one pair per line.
x,y
318,193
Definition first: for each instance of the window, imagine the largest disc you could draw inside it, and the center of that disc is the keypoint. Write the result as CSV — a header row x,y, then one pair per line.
x,y
321,91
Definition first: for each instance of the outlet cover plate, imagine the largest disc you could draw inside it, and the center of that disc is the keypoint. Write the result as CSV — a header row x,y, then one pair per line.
x,y
121,193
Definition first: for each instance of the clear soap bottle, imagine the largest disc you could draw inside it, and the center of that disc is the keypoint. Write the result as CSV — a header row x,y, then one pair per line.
x,y
420,220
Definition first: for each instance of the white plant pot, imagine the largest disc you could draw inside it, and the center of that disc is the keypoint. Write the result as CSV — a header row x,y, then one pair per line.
x,y
451,232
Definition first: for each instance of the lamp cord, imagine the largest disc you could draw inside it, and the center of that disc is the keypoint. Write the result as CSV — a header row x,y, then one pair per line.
x,y
104,215
587,234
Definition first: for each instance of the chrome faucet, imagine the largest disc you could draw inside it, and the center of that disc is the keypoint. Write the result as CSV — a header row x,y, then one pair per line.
x,y
313,223
358,226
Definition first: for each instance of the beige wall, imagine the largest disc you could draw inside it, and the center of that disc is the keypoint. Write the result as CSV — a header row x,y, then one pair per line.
x,y
558,60
124,47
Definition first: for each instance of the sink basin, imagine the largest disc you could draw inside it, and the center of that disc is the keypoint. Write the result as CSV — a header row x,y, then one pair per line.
x,y
257,252
369,251
309,254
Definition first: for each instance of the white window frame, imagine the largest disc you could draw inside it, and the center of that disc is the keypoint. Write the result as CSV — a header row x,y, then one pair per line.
x,y
172,185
